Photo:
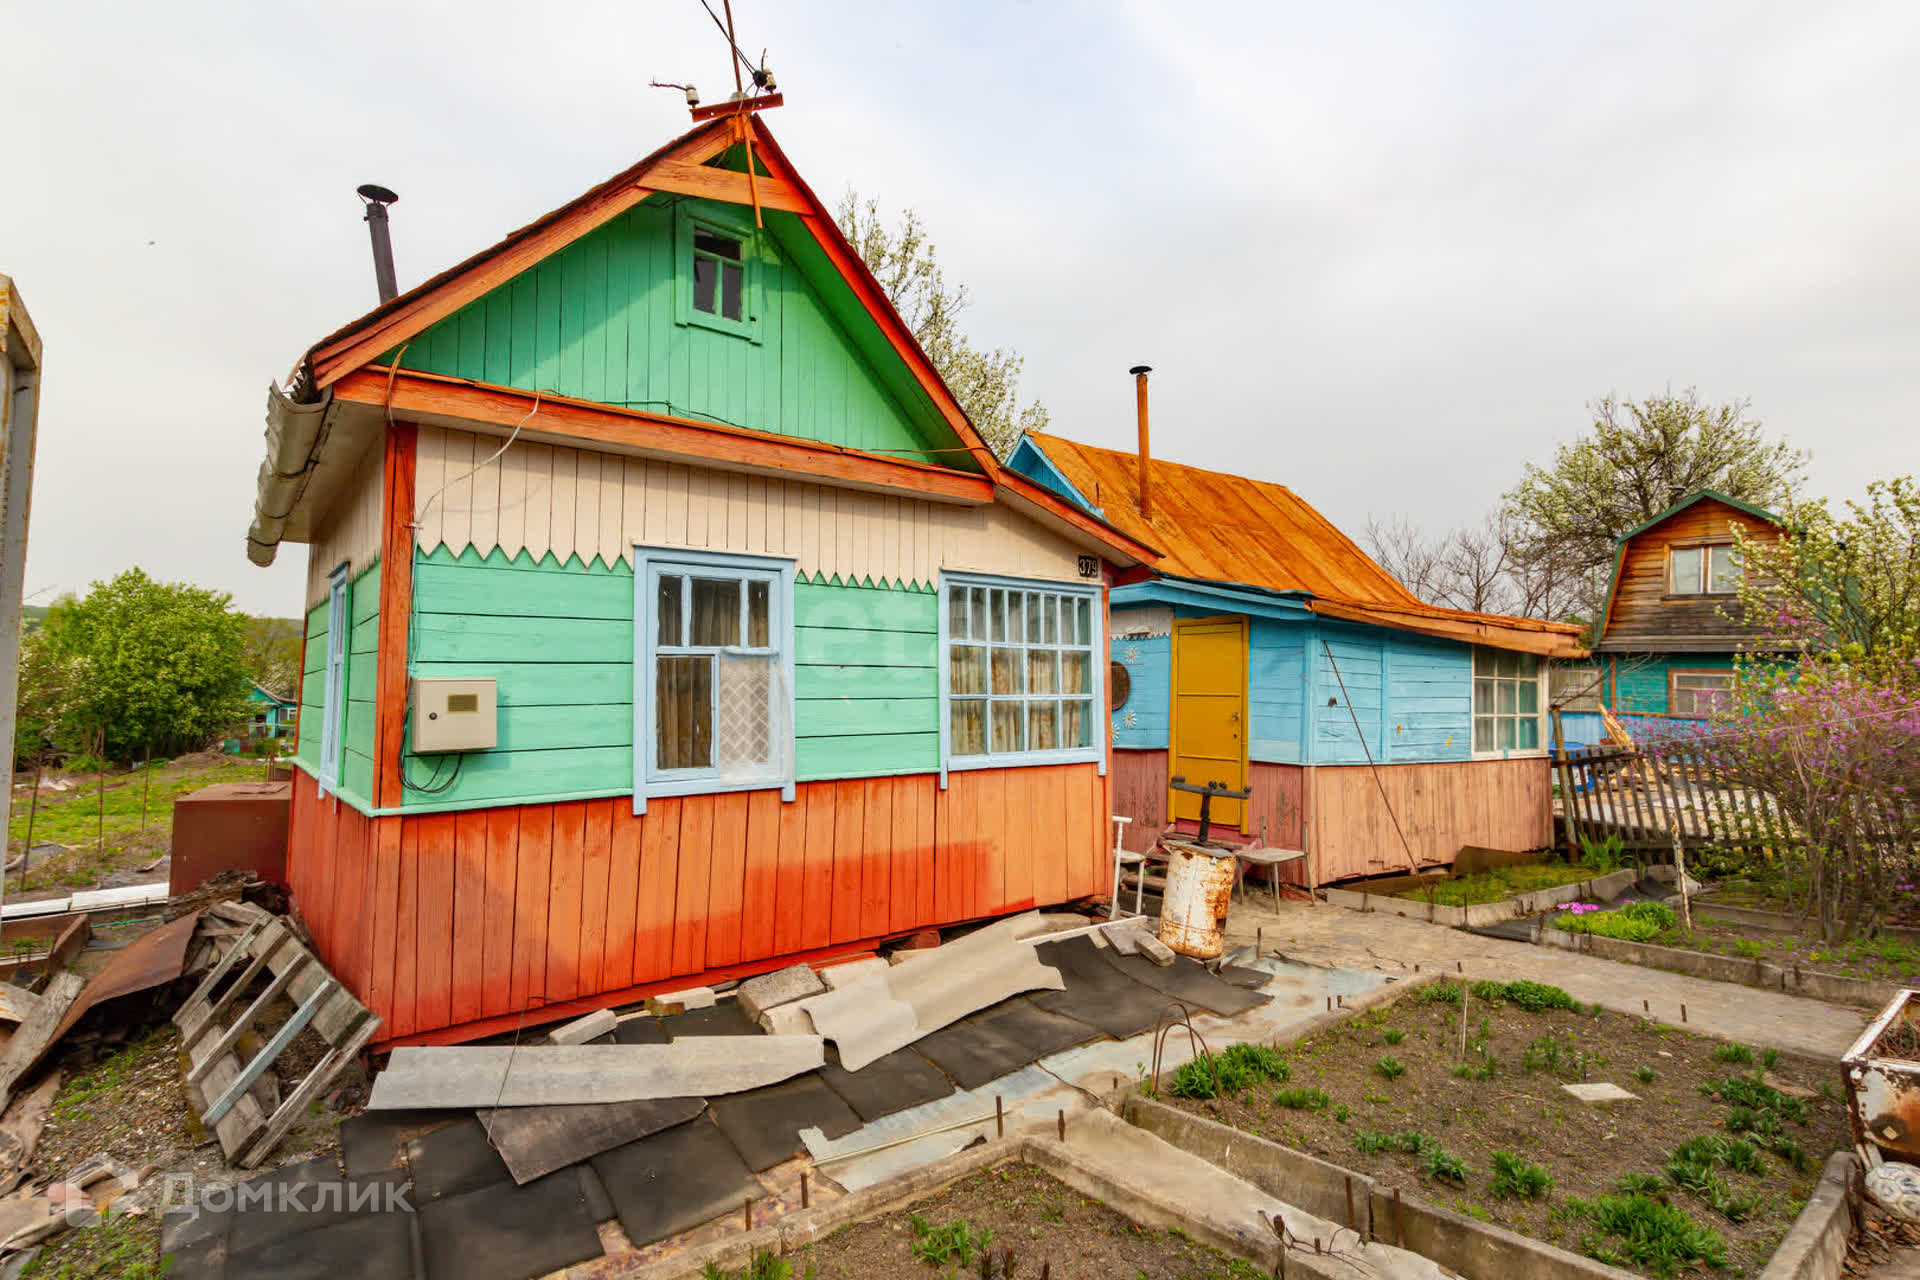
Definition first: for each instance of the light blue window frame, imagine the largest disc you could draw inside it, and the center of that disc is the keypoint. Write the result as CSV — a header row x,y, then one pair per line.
x,y
1096,647
333,704
650,564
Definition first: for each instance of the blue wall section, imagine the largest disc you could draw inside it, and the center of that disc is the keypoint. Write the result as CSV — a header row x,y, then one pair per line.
x,y
1277,688
1142,723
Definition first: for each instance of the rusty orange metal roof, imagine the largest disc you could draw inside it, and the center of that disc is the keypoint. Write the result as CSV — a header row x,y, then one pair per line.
x,y
1219,527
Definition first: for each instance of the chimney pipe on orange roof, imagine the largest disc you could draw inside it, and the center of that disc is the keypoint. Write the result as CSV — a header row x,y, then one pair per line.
x,y
1140,372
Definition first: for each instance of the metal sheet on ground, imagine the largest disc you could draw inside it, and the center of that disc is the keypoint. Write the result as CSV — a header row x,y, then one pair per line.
x,y
900,1080
1187,981
377,1140
1097,993
723,1019
509,1232
676,1179
535,1141
453,1161
375,1246
764,1124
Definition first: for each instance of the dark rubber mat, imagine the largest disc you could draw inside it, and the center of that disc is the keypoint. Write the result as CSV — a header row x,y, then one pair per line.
x,y
376,1140
507,1232
288,1209
369,1247
1187,981
676,1179
723,1019
764,1124
535,1141
1000,1040
1038,1030
1097,993
892,1083
453,1161
642,1030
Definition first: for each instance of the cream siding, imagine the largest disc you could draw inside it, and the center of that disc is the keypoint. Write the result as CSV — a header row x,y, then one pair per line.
x,y
549,499
350,532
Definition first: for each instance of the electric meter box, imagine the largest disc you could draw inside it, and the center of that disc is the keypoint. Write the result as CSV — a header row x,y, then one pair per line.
x,y
452,714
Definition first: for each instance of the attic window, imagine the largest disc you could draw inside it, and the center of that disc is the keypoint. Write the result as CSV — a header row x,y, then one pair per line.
x,y
719,274
1704,570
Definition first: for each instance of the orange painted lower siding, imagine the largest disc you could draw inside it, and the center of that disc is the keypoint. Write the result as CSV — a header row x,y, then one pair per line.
x,y
456,925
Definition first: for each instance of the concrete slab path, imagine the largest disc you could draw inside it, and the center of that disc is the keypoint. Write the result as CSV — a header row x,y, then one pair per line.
x,y
1328,935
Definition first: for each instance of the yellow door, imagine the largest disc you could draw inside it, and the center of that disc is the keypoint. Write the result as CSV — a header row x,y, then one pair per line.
x,y
1209,714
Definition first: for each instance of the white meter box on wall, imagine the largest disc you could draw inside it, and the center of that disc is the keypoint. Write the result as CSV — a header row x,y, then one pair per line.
x,y
450,714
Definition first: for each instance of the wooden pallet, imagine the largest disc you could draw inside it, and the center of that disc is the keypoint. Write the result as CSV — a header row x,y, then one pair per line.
x,y
235,1094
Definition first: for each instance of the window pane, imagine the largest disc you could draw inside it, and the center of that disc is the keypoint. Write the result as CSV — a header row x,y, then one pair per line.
x,y
757,614
968,732
1686,571
732,282
1483,697
1483,735
1083,632
1724,571
1006,671
999,611
1504,699
1529,732
705,241
1509,664
1042,726
1034,605
1076,723
744,734
683,712
1529,696
716,611
1009,726
967,670
668,609
979,595
1016,616
1042,671
1483,662
957,628
1503,733
1076,673
1050,619
706,278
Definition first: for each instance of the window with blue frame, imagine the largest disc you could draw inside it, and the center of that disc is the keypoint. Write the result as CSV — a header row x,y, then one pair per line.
x,y
1021,682
714,689
333,706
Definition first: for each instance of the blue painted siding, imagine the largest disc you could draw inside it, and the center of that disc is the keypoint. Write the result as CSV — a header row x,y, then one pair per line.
x,y
1143,723
1277,689
1430,694
1347,671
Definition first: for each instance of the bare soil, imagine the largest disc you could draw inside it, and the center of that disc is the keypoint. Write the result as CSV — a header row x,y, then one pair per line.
x,y
1523,1110
1873,959
1043,1222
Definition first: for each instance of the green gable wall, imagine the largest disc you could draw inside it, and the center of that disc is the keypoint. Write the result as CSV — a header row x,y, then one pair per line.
x,y
597,321
558,640
356,756
313,688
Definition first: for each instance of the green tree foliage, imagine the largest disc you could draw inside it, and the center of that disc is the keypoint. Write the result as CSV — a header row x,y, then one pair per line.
x,y
162,663
51,683
1636,460
1844,586
272,654
903,259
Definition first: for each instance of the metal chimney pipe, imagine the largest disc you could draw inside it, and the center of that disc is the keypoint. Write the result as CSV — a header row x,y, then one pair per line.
x,y
377,199
1140,372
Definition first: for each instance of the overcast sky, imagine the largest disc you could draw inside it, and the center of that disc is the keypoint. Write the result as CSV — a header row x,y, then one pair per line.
x,y
1382,253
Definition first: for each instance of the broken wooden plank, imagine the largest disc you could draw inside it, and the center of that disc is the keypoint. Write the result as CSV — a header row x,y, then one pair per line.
x,y
265,1058
201,1056
20,1129
37,1032
557,1075
322,1075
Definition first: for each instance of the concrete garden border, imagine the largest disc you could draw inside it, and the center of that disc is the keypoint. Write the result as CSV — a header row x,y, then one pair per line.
x,y
1782,921
1815,1246
1792,979
1606,887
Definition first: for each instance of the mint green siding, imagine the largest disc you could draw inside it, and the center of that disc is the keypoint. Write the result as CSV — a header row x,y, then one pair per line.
x,y
1640,682
363,664
866,683
313,689
558,640
599,321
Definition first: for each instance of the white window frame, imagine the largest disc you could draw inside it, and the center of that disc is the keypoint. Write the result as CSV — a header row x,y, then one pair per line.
x,y
1703,583
648,564
333,696
1474,716
1673,688
1096,648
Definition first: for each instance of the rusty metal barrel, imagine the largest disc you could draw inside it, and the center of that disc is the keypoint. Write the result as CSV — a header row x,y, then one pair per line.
x,y
1193,912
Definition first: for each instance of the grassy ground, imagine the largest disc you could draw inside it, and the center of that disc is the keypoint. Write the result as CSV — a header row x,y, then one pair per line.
x,y
1708,1165
1499,883
115,1247
72,818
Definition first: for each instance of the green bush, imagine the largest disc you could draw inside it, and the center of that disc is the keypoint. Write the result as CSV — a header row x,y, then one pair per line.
x,y
1734,1053
1635,922
1443,1165
1445,991
1390,1067
1301,1099
938,1246
1229,1072
1650,1234
1408,1141
1745,1091
1601,856
1537,997
1517,1178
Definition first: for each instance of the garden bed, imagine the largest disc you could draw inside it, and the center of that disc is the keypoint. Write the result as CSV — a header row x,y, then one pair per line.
x,y
1485,897
1388,1094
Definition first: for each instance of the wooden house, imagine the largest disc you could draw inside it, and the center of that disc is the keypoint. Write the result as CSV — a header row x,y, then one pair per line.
x,y
1672,625
1266,651
756,652
270,714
